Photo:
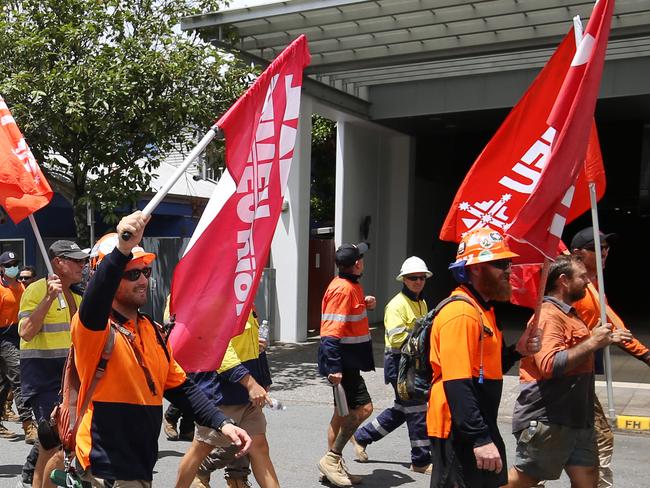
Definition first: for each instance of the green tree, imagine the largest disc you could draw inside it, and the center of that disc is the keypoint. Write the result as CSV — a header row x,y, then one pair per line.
x,y
323,170
105,83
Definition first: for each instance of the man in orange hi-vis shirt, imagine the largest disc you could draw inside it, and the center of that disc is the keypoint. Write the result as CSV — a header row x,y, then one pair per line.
x,y
345,350
468,358
582,246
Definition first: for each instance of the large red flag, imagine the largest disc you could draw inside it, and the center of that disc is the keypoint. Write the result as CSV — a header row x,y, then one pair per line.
x,y
215,282
23,188
541,220
507,170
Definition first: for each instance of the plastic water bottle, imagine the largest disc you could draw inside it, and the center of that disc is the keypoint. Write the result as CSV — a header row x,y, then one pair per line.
x,y
276,405
532,428
264,332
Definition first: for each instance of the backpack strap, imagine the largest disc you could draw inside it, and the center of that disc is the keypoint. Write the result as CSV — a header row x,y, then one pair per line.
x,y
109,345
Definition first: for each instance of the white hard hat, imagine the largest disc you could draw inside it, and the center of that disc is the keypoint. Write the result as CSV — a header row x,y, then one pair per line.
x,y
413,265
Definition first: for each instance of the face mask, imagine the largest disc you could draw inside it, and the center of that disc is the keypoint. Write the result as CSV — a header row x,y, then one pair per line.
x,y
12,272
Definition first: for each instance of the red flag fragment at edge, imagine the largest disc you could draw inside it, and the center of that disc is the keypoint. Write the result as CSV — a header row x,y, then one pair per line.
x,y
215,282
23,187
541,220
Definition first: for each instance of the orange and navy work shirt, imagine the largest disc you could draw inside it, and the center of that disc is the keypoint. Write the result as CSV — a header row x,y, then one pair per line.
x,y
461,398
549,392
345,335
118,435
9,306
589,311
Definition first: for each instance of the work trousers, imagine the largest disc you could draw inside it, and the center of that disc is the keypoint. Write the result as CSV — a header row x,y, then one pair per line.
x,y
414,414
605,441
10,377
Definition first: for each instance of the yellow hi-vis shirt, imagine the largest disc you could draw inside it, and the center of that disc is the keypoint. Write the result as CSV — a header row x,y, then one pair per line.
x,y
399,318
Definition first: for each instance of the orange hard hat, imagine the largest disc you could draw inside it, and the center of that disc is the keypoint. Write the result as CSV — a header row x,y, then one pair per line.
x,y
481,246
107,243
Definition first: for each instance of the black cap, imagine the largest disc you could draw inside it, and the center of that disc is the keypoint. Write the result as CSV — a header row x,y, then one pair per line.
x,y
348,254
66,249
585,239
8,257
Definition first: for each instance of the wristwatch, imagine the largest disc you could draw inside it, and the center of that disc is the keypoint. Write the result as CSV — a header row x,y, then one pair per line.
x,y
227,421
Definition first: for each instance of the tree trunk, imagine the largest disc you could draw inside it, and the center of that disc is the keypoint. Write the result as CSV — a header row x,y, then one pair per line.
x,y
81,222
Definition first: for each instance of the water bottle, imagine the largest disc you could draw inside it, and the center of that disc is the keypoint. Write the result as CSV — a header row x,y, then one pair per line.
x,y
264,332
276,405
532,428
340,400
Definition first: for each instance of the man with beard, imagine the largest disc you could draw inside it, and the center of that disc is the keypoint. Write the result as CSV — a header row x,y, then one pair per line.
x,y
117,440
553,419
468,358
588,308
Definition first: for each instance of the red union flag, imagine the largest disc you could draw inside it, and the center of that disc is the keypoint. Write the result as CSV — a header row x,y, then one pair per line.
x,y
509,167
541,220
23,188
215,282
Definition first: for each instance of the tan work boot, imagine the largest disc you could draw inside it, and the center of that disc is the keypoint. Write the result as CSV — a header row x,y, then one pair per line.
x,y
201,480
8,413
331,465
359,450
171,432
422,469
237,483
31,433
6,433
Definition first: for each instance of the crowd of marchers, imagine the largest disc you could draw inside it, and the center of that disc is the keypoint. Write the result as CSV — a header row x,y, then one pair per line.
x,y
125,367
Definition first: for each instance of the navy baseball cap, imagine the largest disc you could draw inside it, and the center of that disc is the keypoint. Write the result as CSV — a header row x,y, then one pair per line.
x,y
348,254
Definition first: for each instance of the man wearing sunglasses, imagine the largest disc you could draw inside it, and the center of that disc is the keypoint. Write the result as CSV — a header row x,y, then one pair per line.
x,y
399,318
468,358
44,329
11,290
582,246
117,441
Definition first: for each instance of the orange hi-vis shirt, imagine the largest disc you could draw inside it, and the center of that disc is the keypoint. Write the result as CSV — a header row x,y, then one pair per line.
x,y
345,333
123,418
10,304
589,311
457,394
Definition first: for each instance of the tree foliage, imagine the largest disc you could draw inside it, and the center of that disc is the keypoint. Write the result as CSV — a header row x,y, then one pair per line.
x,y
323,170
105,83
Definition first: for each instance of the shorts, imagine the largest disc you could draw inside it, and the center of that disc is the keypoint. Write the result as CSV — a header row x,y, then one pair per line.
x,y
544,450
248,417
454,464
355,389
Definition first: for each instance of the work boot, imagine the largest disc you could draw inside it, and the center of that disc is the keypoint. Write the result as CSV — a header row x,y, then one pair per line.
x,y
201,480
170,430
354,478
31,433
359,450
237,483
8,413
6,433
421,469
331,465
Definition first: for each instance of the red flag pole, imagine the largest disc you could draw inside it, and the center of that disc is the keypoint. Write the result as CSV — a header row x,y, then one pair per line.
x,y
540,295
164,190
601,298
46,258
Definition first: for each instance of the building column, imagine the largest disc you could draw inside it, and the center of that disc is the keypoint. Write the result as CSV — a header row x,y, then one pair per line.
x,y
290,246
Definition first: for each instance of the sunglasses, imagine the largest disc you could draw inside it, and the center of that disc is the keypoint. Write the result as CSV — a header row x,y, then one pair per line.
x,y
502,264
134,274
76,261
415,278
25,278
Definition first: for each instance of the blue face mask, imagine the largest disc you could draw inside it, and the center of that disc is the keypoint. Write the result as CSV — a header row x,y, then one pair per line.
x,y
12,272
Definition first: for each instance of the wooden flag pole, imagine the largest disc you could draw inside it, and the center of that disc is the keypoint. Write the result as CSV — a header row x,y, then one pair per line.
x,y
46,258
601,298
194,153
